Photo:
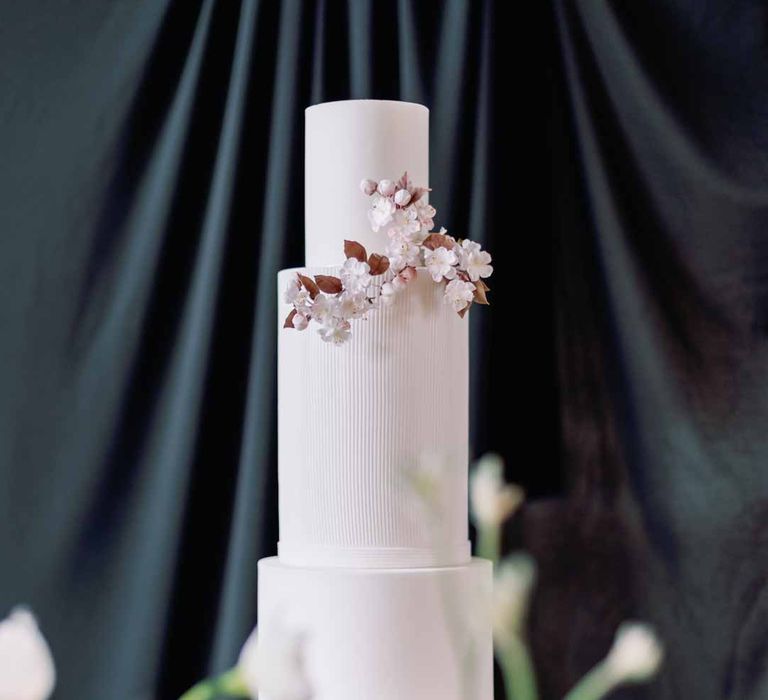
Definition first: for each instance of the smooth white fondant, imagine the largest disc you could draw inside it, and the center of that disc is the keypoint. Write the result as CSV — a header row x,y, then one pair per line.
x,y
346,142
383,634
354,421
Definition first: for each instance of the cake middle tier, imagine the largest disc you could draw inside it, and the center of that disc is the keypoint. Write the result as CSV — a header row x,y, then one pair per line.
x,y
373,436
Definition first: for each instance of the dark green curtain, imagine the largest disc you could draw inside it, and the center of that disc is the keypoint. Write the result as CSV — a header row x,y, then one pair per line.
x,y
612,156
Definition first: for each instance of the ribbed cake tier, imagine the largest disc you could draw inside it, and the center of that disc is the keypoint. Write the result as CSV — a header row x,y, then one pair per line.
x,y
355,421
345,142
399,634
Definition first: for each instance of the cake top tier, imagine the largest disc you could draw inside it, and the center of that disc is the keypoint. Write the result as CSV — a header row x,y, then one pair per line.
x,y
345,143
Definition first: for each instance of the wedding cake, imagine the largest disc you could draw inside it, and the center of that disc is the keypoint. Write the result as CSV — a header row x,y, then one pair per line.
x,y
374,574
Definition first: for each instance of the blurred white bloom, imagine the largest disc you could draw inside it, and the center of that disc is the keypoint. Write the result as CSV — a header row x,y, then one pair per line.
x,y
459,294
355,275
439,263
387,188
402,197
636,654
368,186
300,322
512,588
274,666
492,500
335,331
26,665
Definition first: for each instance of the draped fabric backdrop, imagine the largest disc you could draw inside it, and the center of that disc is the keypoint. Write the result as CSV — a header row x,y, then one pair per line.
x,y
612,156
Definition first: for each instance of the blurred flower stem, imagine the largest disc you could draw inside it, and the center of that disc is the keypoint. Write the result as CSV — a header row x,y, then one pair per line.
x,y
596,684
228,683
489,543
517,668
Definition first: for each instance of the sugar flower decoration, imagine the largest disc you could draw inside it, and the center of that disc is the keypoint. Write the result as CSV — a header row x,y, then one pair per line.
x,y
367,282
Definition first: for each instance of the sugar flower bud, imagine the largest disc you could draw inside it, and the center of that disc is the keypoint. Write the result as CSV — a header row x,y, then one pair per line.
x,y
300,322
402,197
388,293
492,500
512,588
387,188
636,654
26,665
368,186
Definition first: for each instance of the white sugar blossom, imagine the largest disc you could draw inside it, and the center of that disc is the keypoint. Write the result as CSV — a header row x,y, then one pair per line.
x,y
474,261
274,666
353,305
459,294
402,197
368,186
325,307
300,322
406,224
381,211
26,665
636,654
387,188
492,501
512,588
388,294
425,214
439,263
403,253
335,331
355,275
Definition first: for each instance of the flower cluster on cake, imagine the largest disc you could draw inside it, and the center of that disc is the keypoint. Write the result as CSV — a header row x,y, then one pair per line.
x,y
368,281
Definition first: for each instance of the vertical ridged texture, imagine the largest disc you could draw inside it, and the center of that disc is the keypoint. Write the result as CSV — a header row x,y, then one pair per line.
x,y
354,419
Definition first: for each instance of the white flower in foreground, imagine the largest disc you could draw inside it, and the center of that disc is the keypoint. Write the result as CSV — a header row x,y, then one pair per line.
x,y
636,654
274,666
368,186
439,263
335,331
459,294
492,500
26,665
474,261
512,588
355,275
387,188
381,211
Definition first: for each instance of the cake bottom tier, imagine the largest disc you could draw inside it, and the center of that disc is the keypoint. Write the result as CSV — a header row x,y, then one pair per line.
x,y
383,634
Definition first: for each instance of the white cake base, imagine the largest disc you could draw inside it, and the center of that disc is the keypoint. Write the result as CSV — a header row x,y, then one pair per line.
x,y
385,634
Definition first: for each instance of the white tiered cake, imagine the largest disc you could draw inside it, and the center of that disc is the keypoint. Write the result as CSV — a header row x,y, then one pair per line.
x,y
381,588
